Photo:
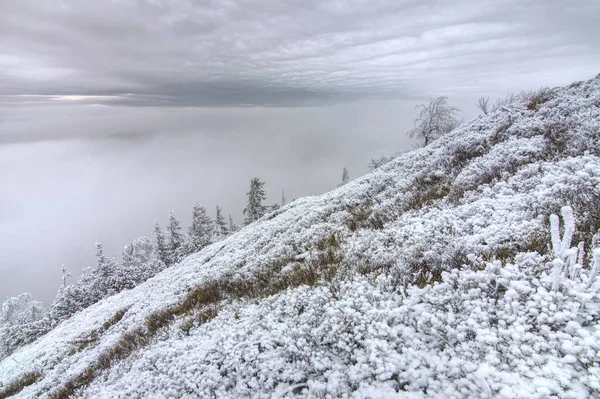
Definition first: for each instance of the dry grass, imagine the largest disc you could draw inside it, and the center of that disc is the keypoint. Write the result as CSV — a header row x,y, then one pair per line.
x,y
114,320
201,305
83,342
557,139
426,189
538,97
16,386
358,216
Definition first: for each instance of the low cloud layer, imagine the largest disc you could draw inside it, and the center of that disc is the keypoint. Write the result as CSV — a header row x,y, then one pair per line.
x,y
59,193
282,53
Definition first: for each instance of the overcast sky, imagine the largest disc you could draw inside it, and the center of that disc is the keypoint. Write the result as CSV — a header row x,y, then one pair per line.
x,y
111,112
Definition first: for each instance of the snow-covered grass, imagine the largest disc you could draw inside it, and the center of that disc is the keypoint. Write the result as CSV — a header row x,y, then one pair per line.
x,y
402,289
486,330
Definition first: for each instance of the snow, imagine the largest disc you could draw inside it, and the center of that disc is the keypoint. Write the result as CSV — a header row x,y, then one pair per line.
x,y
518,328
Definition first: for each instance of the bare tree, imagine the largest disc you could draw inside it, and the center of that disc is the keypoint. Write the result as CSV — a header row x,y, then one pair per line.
x,y
483,105
376,163
435,119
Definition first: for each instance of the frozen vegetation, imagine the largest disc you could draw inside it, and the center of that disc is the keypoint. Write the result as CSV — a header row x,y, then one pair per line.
x,y
468,268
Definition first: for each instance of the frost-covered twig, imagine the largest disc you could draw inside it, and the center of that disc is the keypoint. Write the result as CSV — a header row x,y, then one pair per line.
x,y
555,235
292,388
564,254
581,250
559,246
595,267
557,269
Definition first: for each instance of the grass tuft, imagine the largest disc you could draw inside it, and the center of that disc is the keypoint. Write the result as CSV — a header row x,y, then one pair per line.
x,y
202,303
16,386
538,97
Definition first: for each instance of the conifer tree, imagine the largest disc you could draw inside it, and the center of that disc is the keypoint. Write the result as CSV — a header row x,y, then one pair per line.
x,y
160,245
105,274
255,209
221,229
176,238
201,229
345,177
70,298
283,199
21,320
232,227
136,266
127,270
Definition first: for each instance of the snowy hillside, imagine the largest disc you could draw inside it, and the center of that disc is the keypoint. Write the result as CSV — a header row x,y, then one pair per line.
x,y
433,276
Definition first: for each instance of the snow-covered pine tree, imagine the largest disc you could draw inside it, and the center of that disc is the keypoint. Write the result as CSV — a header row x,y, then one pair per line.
x,y
105,273
221,229
201,229
134,266
70,298
176,238
86,290
20,319
66,303
161,249
283,199
255,209
20,309
345,177
232,227
126,277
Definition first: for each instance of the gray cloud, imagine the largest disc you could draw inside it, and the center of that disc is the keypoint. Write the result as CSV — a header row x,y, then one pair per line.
x,y
180,53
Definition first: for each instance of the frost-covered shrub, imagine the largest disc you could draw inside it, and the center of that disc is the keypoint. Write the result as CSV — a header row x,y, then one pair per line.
x,y
486,329
500,332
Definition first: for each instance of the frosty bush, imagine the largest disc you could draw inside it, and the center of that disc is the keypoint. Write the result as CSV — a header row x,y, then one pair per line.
x,y
486,330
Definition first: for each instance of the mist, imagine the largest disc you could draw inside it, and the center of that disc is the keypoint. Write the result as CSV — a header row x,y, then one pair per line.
x,y
107,174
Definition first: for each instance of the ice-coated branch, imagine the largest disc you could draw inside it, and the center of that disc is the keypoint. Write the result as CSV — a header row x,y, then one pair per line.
x,y
557,269
559,246
565,256
555,235
581,252
595,267
569,221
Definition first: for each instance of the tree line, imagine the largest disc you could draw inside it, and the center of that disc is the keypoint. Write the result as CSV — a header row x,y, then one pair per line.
x,y
23,319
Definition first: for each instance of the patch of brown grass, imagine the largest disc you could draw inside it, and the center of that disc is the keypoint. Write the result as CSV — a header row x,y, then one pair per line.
x,y
202,304
358,216
426,189
20,383
538,97
93,337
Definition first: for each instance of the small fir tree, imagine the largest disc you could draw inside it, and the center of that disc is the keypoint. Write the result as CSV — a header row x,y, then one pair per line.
x,y
254,208
345,177
161,250
221,229
201,229
232,227
176,238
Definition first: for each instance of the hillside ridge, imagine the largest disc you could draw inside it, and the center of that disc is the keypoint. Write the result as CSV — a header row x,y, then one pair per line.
x,y
376,289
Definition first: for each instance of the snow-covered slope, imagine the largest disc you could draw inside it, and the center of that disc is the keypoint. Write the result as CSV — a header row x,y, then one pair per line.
x,y
429,277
